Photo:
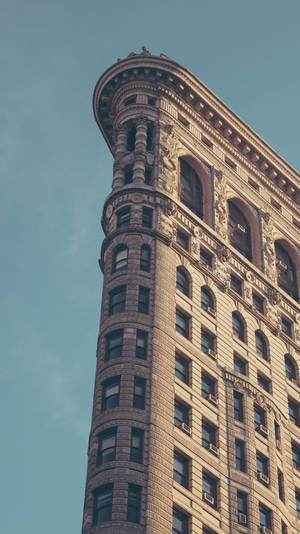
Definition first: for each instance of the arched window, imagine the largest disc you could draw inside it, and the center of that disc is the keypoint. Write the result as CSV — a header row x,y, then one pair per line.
x,y
261,345
238,326
207,300
190,188
182,281
290,368
239,230
131,139
145,258
120,260
286,271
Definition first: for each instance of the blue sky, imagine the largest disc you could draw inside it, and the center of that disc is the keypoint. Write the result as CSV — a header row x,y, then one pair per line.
x,y
55,172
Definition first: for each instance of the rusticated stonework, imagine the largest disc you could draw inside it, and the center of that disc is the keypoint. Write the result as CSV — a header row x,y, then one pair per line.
x,y
154,114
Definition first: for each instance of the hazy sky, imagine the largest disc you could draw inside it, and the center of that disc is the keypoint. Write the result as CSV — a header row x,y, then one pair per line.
x,y
55,173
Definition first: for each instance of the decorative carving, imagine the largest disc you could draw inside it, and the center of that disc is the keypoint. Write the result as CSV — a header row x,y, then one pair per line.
x,y
249,276
224,254
268,244
274,297
197,232
171,207
220,202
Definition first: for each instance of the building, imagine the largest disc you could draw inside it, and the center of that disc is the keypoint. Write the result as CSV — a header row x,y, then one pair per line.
x,y
196,422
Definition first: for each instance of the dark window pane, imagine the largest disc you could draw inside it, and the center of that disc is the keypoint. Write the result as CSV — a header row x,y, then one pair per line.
x,y
120,259
182,240
141,344
290,371
181,414
261,345
259,417
180,522
131,139
207,342
263,382
236,284
205,258
240,463
123,217
239,230
265,517
110,393
181,468
114,345
107,446
294,412
136,447
147,216
207,302
208,434
208,386
190,188
238,326
134,503
240,365
296,455
238,406
258,303
182,282
143,299
117,300
286,271
181,368
286,326
209,486
103,504
182,323
145,258
297,495
139,393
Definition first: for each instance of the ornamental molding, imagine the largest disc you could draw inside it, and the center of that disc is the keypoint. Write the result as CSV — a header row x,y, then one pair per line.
x,y
200,103
259,398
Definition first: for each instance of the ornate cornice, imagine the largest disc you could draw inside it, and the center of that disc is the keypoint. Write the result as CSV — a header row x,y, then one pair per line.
x,y
198,102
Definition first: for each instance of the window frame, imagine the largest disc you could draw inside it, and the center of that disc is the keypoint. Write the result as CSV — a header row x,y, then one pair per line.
x,y
104,489
147,217
143,300
141,351
139,399
136,453
114,398
181,476
145,263
109,338
101,452
134,498
185,319
120,305
123,216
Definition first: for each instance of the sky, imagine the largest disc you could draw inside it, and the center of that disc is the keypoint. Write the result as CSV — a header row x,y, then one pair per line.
x,y
55,172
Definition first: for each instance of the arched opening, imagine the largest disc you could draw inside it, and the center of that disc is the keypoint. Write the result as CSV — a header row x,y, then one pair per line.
x,y
207,300
261,345
190,188
131,138
286,271
182,281
290,368
239,230
238,327
120,259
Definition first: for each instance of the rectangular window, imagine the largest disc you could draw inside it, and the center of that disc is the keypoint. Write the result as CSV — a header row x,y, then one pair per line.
x,y
209,435
238,406
294,412
277,432
182,368
117,300
265,517
296,455
242,507
181,469
145,258
143,300
264,382
208,387
259,419
280,485
114,345
102,510
208,342
107,446
262,468
139,393
286,326
147,216
123,217
240,456
258,303
110,393
209,489
182,323
236,284
240,365
206,258
136,445
180,522
141,344
182,239
134,503
181,414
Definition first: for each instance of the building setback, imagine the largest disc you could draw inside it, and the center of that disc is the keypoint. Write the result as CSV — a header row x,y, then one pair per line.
x,y
196,422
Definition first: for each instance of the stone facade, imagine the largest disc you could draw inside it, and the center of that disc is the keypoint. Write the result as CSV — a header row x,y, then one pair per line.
x,y
154,114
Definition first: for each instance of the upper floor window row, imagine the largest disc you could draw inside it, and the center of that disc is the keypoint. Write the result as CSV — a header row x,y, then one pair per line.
x,y
121,255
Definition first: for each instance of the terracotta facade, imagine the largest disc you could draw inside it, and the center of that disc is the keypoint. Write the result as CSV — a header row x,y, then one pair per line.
x,y
174,246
